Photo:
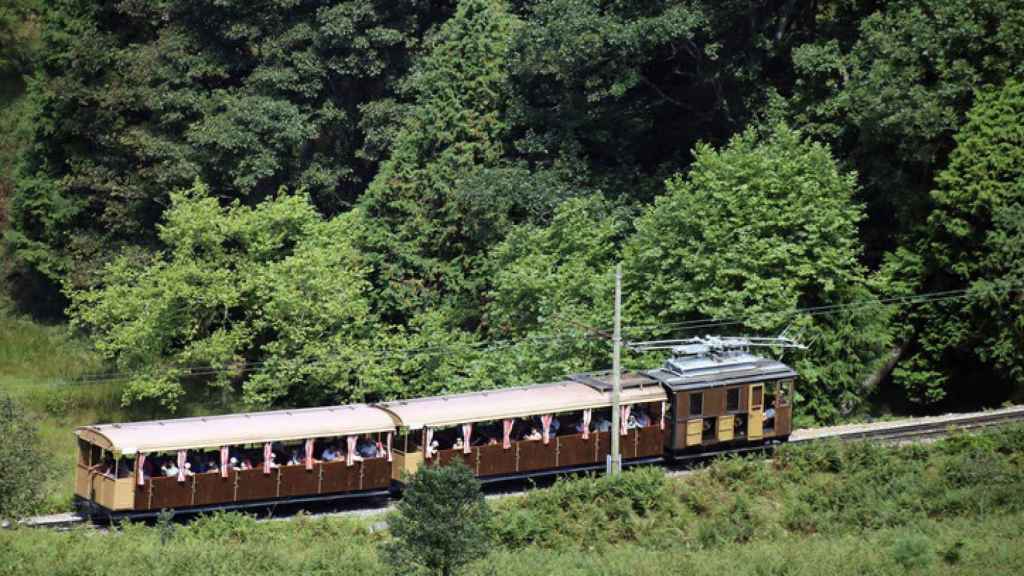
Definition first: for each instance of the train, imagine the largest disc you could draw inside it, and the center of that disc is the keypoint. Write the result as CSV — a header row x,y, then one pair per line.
x,y
711,394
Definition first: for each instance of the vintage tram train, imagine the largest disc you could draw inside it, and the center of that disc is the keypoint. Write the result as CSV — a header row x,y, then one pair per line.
x,y
707,397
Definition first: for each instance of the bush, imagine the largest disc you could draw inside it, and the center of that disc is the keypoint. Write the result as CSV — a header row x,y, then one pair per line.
x,y
441,523
23,468
592,510
912,551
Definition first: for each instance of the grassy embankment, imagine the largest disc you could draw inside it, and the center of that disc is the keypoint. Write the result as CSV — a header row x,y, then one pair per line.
x,y
38,368
949,508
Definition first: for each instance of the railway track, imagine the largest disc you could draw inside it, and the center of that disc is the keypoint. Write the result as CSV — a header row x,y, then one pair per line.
x,y
909,430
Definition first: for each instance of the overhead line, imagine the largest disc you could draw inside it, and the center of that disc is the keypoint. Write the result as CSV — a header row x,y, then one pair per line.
x,y
589,333
926,298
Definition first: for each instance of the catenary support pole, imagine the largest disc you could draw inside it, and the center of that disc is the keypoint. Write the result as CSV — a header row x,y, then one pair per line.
x,y
615,458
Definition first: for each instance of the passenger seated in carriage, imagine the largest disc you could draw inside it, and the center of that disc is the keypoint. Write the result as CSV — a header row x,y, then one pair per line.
x,y
638,418
367,448
169,468
330,453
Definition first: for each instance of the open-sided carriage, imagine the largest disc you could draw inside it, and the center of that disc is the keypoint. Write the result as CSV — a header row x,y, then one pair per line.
x,y
702,399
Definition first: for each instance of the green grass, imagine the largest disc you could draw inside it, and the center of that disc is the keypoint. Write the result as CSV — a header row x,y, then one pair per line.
x,y
965,547
39,366
229,544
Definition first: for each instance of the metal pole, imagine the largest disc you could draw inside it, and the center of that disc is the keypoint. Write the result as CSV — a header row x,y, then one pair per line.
x,y
615,465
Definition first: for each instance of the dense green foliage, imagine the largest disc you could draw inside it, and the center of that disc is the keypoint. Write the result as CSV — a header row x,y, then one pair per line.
x,y
951,507
453,182
275,282
976,241
441,523
23,468
133,100
757,231
420,233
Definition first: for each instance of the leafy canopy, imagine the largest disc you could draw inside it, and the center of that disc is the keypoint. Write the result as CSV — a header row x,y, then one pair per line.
x,y
756,231
976,242
274,294
419,243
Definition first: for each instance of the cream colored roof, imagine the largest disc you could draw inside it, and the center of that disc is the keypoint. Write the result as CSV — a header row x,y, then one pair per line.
x,y
233,429
497,404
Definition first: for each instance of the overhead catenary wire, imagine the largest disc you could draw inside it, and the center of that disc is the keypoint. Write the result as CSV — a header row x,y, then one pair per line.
x,y
584,332
484,347
823,310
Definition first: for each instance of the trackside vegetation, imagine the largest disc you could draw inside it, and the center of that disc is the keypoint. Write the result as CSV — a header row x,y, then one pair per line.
x,y
441,523
951,507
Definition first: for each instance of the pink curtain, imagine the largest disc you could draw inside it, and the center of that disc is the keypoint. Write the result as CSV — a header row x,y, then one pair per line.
x,y
182,458
625,419
586,424
467,435
662,423
545,422
350,455
140,471
506,426
225,461
310,446
428,438
268,453
389,446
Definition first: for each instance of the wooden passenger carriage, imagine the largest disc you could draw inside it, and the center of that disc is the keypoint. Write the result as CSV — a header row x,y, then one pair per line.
x,y
696,402
562,452
125,494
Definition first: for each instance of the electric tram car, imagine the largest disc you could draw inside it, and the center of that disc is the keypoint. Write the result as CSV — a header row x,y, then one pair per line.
x,y
713,394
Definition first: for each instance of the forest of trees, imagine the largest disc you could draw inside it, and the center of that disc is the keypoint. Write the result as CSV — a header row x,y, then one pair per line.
x,y
298,202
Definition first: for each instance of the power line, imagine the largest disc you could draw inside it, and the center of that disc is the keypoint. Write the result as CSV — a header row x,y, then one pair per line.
x,y
588,333
379,354
824,310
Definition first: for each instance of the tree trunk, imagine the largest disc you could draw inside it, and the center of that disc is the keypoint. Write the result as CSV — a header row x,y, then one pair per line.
x,y
875,378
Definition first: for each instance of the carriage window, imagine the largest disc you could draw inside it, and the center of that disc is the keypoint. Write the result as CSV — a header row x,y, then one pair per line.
x,y
757,400
696,404
732,400
785,392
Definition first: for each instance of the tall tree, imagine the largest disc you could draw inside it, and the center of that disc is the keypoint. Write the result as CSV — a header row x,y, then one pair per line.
x,y
136,99
891,98
757,232
423,248
975,242
272,297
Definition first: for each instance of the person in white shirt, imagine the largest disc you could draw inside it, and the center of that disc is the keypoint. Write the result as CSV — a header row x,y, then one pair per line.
x,y
170,469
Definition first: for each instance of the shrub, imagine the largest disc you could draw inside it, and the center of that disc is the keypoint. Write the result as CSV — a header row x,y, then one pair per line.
x,y
441,523
912,551
23,467
582,512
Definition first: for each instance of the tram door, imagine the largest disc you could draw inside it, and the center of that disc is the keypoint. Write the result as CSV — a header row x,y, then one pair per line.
x,y
695,419
755,420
